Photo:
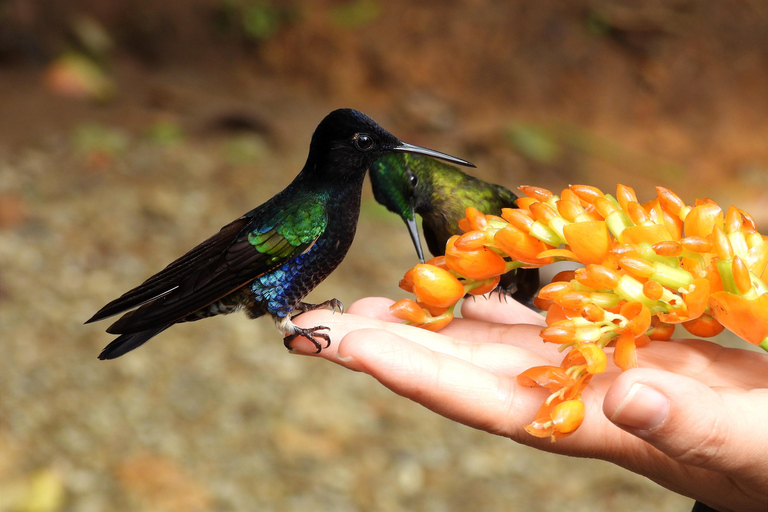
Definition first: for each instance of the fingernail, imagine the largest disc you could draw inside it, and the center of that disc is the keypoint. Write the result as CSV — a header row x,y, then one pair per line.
x,y
643,408
342,356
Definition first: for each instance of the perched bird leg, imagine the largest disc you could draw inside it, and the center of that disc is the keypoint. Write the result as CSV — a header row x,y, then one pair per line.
x,y
293,331
333,304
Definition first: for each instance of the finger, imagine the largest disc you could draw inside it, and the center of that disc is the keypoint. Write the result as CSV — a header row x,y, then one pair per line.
x,y
499,309
450,386
502,358
693,424
374,307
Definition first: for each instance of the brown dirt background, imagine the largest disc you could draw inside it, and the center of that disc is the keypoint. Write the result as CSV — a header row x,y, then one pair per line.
x,y
215,415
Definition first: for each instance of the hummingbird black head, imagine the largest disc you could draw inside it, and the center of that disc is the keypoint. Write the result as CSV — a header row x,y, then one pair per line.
x,y
347,141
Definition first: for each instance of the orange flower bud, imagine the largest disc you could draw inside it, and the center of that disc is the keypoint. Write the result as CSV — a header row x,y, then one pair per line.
x,y
567,417
551,377
594,356
406,283
639,317
438,261
543,212
702,219
668,248
569,195
479,264
520,246
476,218
538,193
587,193
604,207
625,354
589,241
721,244
409,311
554,290
517,218
435,286
593,313
653,290
649,233
696,244
625,195
669,200
560,333
471,240
432,310
437,323
636,213
696,297
524,203
638,267
741,275
485,286
598,277
569,210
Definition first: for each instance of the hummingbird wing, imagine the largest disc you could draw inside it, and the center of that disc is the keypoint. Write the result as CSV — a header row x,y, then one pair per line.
x,y
242,251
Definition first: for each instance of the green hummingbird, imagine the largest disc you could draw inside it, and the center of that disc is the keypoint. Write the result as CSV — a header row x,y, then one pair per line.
x,y
409,184
268,260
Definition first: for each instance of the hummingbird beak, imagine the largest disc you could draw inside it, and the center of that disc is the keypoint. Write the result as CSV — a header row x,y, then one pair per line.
x,y
413,229
404,147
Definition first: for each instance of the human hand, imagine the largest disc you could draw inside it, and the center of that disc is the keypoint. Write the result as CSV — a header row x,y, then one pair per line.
x,y
693,417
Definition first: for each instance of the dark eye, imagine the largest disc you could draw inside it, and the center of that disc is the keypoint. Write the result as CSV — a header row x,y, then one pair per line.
x,y
363,142
413,179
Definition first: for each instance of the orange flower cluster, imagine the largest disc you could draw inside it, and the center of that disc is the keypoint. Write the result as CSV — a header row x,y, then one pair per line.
x,y
647,267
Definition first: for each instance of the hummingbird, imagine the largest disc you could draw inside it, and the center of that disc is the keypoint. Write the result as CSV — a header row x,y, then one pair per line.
x,y
407,184
268,260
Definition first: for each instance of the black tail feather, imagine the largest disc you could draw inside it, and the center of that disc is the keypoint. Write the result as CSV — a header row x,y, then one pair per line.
x,y
127,342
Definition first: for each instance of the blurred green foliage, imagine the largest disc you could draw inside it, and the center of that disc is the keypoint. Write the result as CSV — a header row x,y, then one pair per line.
x,y
253,20
355,14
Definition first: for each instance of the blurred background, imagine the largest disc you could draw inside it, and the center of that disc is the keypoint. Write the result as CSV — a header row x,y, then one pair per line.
x,y
131,130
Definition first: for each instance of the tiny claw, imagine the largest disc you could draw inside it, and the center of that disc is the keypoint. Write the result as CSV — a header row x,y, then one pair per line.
x,y
332,304
310,334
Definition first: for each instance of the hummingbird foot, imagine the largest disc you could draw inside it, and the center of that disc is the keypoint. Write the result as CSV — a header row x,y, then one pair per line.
x,y
333,304
293,331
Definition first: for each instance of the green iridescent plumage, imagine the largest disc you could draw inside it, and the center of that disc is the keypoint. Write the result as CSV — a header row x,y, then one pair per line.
x,y
440,193
268,260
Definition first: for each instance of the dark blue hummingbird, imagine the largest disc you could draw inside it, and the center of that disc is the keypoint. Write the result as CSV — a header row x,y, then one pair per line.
x,y
269,259
440,193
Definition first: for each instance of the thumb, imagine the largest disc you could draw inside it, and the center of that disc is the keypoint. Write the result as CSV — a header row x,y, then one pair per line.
x,y
692,423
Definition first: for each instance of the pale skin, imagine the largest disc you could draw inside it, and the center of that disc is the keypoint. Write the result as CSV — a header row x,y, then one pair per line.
x,y
693,417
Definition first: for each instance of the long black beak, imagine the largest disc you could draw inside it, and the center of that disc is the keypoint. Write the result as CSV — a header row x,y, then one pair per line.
x,y
413,229
404,147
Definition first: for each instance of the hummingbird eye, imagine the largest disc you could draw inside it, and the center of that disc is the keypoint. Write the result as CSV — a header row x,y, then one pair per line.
x,y
413,179
363,141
